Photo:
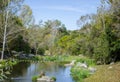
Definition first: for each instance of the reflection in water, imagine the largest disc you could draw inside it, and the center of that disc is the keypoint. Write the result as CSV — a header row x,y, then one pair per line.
x,y
23,72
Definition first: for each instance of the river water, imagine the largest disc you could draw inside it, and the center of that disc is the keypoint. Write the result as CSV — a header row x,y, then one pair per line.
x,y
23,72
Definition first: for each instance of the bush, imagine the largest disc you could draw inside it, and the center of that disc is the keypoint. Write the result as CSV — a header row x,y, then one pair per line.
x,y
34,78
90,62
53,78
79,74
50,58
37,58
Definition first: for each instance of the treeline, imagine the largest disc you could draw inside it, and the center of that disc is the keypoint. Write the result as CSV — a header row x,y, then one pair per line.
x,y
98,37
20,33
100,33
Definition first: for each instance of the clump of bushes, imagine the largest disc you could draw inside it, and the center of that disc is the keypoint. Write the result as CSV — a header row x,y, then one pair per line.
x,y
79,74
34,78
5,68
53,78
52,58
89,62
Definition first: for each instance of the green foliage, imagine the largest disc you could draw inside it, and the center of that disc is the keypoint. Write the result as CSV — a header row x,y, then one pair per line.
x,y
20,45
41,51
5,67
60,58
98,38
69,44
52,58
89,62
79,74
36,58
34,78
101,51
7,63
53,78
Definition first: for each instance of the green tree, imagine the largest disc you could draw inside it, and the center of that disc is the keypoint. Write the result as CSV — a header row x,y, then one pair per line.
x,y
8,20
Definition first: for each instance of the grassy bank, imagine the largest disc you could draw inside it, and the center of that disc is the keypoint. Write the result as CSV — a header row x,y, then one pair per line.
x,y
106,73
79,73
58,58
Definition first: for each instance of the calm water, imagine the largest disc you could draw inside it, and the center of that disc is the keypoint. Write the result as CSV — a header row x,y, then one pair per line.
x,y
23,72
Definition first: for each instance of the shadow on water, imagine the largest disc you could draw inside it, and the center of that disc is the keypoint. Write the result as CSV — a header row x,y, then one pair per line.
x,y
23,71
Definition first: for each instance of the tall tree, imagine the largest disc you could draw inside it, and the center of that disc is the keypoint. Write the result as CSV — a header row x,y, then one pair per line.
x,y
26,15
10,24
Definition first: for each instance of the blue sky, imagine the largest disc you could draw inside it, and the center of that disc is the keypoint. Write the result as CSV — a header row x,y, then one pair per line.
x,y
67,11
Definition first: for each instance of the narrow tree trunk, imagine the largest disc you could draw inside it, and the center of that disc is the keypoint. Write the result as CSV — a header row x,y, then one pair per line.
x,y
4,36
36,51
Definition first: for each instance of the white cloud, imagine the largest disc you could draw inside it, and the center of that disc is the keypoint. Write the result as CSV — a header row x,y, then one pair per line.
x,y
62,8
65,8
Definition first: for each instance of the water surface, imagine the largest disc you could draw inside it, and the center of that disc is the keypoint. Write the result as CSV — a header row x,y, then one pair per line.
x,y
23,72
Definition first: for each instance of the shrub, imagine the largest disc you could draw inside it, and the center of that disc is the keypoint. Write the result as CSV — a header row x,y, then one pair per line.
x,y
79,74
90,62
34,78
53,78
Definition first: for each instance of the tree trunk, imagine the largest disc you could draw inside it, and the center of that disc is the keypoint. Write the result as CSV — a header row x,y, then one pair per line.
x,y
36,51
4,36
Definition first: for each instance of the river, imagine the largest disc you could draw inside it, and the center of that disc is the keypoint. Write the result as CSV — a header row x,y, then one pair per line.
x,y
23,71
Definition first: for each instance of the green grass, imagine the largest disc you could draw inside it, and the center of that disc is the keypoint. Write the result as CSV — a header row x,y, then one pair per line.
x,y
70,58
58,58
89,62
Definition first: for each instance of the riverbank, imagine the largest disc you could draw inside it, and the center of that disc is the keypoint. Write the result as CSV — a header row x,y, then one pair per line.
x,y
106,73
5,67
57,58
82,69
102,73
